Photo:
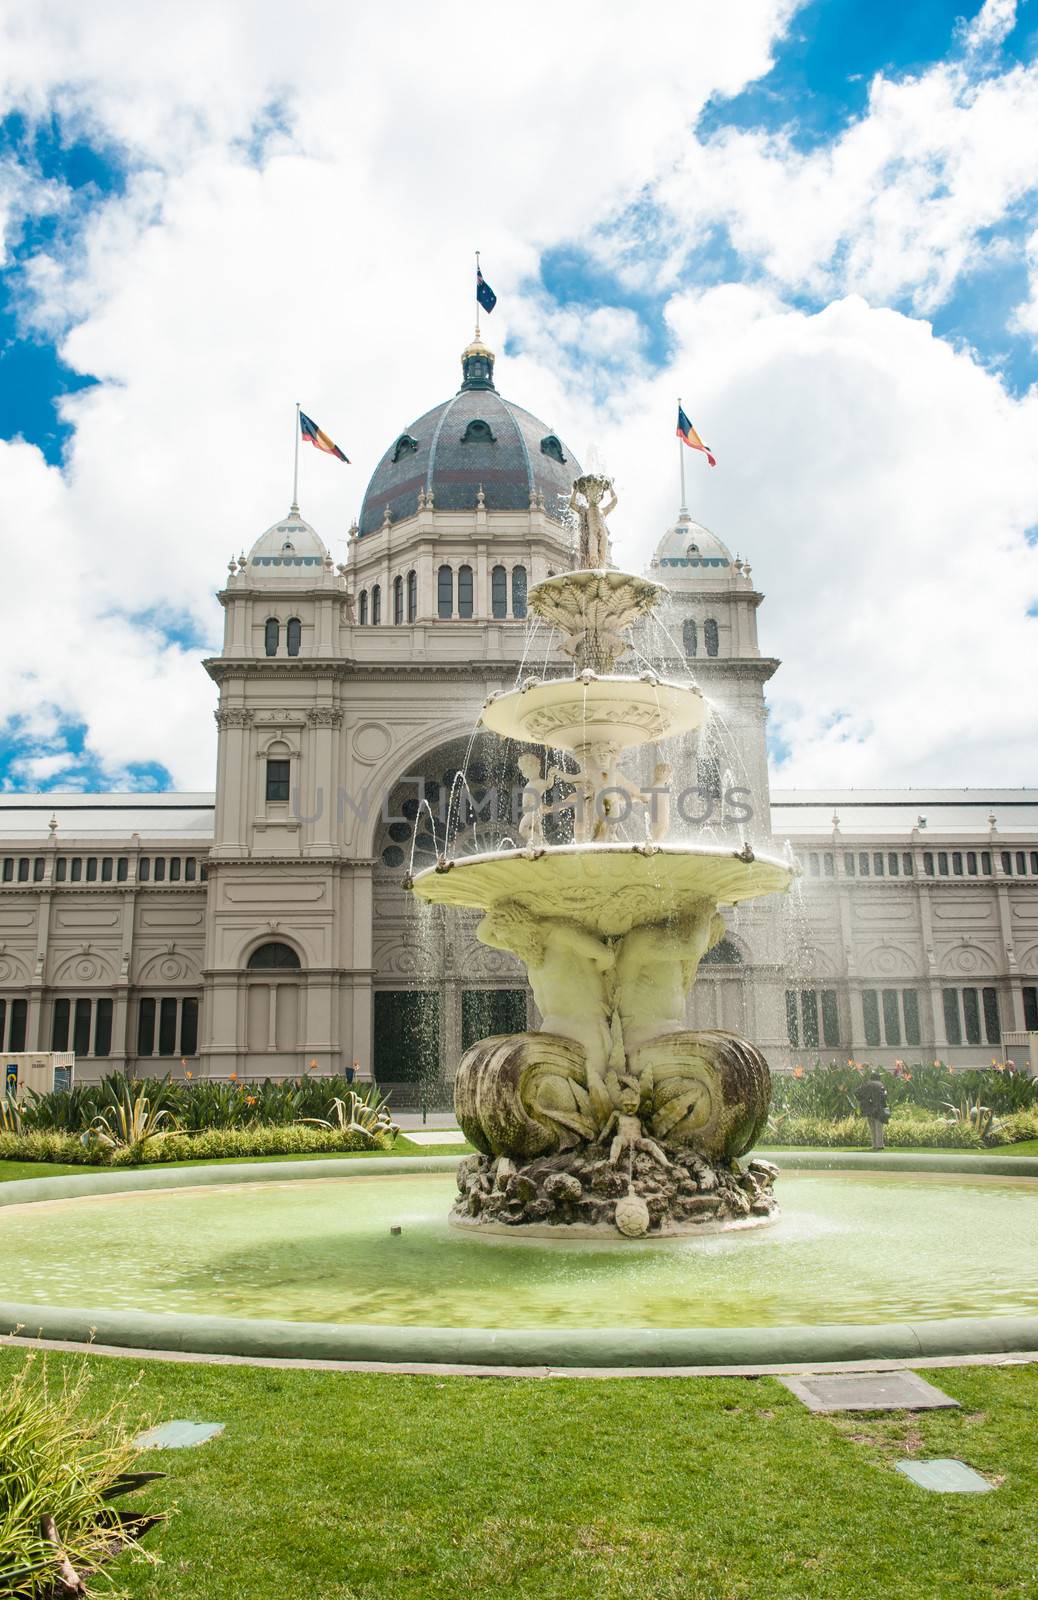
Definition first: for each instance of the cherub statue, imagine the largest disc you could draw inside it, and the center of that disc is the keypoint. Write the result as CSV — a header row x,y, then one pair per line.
x,y
598,786
570,973
630,1135
532,807
656,966
593,550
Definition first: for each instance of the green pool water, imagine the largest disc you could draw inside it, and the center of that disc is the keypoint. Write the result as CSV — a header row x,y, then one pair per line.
x,y
848,1248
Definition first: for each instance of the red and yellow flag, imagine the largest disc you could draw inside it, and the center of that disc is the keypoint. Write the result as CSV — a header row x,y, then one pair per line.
x,y
691,437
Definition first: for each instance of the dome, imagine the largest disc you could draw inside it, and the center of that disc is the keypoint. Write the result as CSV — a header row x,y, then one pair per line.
x,y
291,548
476,440
688,553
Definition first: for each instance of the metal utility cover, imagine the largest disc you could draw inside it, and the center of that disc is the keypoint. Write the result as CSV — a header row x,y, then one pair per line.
x,y
867,1391
945,1475
178,1435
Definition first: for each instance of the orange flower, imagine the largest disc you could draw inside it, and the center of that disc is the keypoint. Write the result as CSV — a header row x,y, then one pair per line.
x,y
250,1099
798,1072
188,1074
313,1066
234,1077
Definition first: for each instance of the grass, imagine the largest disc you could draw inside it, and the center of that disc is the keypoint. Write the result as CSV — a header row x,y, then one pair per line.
x,y
342,1486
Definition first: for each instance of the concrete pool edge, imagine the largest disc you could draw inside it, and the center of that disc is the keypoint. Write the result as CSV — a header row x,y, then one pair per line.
x,y
519,1349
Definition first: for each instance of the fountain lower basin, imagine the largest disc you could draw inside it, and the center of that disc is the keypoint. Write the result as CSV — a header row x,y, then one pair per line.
x,y
608,889
863,1265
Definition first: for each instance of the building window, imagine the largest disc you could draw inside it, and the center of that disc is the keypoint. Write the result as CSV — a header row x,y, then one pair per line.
x,y
1034,863
59,1025
485,1012
271,636
478,432
293,635
174,869
963,1012
23,870
16,1033
985,863
812,1018
899,1011
863,863
376,605
362,612
551,446
91,872
106,869
143,869
710,637
177,1026
103,1027
412,596
689,637
274,956
1030,993
445,593
957,863
877,863
8,869
519,593
829,864
76,869
278,778
814,865
159,870
398,601
942,863
464,591
499,592
60,869
1021,863
907,865
928,863
893,864
190,868
848,863
37,870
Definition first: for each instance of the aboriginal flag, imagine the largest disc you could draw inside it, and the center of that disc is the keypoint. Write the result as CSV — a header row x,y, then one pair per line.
x,y
691,437
313,435
484,293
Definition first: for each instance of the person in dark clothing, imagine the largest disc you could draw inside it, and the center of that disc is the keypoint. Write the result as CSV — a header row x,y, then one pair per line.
x,y
872,1098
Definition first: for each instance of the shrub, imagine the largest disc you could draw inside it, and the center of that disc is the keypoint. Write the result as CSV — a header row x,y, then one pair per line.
x,y
852,1132
212,1144
59,1473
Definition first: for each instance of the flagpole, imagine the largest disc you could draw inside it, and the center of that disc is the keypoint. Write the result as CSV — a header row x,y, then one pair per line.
x,y
681,463
295,471
477,294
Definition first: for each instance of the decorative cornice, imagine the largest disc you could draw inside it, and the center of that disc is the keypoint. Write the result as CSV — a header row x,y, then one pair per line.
x,y
233,717
324,717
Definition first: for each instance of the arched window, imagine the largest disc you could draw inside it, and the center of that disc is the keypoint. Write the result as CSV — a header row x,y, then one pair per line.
x,y
294,634
362,612
412,595
405,446
398,600
274,956
464,591
499,592
478,432
445,592
272,636
552,446
724,954
710,636
518,591
376,604
690,636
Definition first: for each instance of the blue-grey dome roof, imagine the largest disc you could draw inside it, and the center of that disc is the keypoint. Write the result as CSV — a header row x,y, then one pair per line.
x,y
475,440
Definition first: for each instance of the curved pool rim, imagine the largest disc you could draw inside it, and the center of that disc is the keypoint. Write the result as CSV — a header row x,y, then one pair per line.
x,y
386,1345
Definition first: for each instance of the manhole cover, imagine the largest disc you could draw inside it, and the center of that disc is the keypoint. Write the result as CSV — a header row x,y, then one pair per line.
x,y
945,1475
867,1391
177,1435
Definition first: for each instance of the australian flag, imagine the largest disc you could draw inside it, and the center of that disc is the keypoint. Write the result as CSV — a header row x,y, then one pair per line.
x,y
484,293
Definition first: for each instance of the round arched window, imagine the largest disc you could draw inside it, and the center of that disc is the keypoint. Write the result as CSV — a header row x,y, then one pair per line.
x,y
274,956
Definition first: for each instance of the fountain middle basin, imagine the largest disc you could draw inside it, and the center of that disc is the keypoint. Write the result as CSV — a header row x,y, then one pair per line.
x,y
860,1265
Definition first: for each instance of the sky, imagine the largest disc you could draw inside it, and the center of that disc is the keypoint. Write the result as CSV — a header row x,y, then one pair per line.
x,y
817,222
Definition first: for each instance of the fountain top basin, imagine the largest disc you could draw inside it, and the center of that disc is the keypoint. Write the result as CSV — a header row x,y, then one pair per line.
x,y
606,888
575,713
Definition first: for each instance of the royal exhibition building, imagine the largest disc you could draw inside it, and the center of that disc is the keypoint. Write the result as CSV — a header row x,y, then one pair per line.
x,y
266,929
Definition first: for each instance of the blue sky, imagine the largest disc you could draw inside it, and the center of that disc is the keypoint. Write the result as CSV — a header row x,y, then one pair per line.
x,y
758,195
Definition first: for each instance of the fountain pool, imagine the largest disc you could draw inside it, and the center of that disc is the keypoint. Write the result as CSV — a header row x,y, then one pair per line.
x,y
859,1264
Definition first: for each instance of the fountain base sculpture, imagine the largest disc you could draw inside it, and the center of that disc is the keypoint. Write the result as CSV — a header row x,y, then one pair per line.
x,y
613,1116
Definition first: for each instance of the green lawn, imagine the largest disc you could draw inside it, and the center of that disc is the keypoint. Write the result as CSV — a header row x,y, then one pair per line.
x,y
370,1487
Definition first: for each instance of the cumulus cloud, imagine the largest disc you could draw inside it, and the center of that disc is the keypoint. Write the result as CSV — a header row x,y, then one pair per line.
x,y
303,191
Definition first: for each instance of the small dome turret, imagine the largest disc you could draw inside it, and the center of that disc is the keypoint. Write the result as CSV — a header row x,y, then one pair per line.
x,y
290,548
689,555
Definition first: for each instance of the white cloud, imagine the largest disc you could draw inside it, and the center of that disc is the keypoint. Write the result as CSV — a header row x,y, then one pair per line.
x,y
995,20
879,481
882,484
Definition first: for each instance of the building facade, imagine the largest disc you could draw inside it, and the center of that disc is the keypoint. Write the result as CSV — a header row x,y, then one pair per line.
x,y
266,928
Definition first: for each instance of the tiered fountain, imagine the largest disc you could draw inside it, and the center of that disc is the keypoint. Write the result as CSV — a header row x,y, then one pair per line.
x,y
612,1116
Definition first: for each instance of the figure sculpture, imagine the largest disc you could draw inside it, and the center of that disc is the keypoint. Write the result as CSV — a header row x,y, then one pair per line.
x,y
656,966
593,548
630,1135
